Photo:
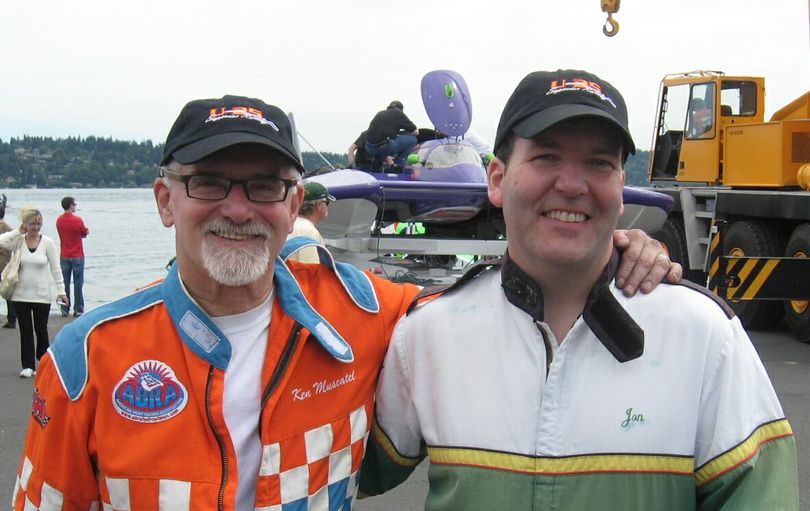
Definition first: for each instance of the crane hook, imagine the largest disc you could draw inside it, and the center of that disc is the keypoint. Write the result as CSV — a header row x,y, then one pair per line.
x,y
611,27
611,7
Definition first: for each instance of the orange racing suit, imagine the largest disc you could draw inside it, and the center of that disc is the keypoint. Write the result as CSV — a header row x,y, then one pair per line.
x,y
127,408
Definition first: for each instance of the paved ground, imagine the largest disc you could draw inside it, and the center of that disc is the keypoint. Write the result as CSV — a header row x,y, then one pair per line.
x,y
15,403
787,361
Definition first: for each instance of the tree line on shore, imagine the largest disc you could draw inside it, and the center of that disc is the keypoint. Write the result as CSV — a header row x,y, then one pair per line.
x,y
96,162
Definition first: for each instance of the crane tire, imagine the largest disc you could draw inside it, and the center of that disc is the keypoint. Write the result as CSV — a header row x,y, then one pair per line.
x,y
673,237
754,238
797,312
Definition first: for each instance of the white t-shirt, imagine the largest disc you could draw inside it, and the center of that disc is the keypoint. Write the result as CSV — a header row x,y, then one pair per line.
x,y
247,333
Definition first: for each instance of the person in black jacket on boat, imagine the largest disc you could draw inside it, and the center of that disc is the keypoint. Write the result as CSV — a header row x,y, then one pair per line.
x,y
391,133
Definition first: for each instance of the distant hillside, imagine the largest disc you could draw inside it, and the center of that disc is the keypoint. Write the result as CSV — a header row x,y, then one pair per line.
x,y
92,162
77,162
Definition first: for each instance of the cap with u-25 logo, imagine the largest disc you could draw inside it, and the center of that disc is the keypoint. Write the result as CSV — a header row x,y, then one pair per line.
x,y
544,98
206,126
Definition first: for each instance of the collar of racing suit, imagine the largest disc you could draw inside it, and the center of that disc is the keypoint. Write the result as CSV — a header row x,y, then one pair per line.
x,y
603,313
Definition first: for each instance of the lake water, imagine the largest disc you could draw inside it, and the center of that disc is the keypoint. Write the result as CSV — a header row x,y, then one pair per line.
x,y
127,247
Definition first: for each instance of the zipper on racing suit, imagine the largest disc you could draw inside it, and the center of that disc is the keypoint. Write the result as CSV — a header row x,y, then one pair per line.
x,y
547,345
283,362
220,442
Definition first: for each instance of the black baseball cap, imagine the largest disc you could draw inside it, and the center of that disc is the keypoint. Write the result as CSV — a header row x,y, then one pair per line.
x,y
544,98
206,126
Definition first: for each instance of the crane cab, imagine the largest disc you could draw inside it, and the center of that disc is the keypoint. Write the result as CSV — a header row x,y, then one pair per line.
x,y
694,112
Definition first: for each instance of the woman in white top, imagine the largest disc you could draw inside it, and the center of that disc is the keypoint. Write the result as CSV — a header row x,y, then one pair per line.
x,y
32,295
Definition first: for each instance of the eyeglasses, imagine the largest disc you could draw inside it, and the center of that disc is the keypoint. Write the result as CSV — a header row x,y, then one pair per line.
x,y
205,187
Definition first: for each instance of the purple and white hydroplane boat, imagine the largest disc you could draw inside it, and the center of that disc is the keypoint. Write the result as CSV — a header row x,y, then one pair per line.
x,y
443,187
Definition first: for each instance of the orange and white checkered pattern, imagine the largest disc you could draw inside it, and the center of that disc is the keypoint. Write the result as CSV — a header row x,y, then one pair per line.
x,y
116,494
315,470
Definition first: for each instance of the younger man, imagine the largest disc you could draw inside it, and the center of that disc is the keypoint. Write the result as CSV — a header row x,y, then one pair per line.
x,y
538,385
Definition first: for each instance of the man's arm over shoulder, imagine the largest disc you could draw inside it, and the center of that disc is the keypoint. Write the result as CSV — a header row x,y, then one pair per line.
x,y
745,450
56,470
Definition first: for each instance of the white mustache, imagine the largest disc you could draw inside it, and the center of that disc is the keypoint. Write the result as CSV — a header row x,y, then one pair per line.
x,y
222,226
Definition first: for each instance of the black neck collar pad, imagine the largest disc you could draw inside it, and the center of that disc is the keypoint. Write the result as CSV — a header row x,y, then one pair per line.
x,y
605,316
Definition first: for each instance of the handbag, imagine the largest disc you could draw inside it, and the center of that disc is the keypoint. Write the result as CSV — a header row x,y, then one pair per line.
x,y
11,273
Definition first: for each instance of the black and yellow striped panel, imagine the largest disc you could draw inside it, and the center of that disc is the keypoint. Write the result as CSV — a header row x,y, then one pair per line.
x,y
715,251
766,278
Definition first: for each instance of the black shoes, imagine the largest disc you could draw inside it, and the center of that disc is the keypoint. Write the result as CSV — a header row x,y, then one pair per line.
x,y
10,324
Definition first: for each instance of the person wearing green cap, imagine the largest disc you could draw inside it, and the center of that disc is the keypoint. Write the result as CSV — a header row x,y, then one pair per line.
x,y
311,212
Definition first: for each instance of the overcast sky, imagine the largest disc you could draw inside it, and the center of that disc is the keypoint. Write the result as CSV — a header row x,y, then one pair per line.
x,y
124,69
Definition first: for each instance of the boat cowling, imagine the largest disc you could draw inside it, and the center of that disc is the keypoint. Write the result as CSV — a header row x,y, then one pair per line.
x,y
447,102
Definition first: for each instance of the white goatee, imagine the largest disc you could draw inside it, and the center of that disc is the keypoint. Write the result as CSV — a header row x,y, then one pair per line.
x,y
232,266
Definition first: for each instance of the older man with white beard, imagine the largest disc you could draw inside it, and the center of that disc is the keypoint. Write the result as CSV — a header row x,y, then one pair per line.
x,y
238,382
